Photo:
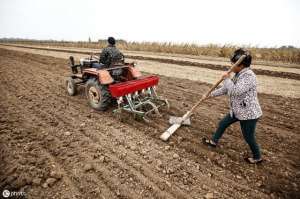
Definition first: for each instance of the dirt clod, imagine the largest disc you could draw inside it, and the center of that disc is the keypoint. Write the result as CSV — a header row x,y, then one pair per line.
x,y
175,156
68,133
56,174
36,181
50,181
209,195
88,167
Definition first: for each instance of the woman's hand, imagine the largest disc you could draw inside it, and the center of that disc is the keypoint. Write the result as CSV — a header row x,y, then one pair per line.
x,y
226,75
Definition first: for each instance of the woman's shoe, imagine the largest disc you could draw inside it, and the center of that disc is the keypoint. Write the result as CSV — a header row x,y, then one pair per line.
x,y
253,161
209,142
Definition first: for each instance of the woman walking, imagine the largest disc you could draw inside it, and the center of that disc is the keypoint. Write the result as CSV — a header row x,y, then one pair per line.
x,y
244,105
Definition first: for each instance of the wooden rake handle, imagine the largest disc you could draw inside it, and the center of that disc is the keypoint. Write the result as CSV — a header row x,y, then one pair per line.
x,y
213,88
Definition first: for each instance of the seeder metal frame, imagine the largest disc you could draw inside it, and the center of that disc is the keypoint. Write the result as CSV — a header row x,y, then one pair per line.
x,y
141,103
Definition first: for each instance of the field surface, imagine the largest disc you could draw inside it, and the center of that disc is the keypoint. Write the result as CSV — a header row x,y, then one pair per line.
x,y
55,146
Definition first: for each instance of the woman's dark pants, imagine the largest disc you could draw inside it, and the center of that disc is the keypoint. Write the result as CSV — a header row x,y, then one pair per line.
x,y
248,130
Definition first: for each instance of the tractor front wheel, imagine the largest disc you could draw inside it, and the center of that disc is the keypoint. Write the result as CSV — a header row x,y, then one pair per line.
x,y
98,95
71,86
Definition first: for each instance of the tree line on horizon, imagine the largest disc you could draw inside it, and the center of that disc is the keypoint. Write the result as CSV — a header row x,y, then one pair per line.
x,y
286,53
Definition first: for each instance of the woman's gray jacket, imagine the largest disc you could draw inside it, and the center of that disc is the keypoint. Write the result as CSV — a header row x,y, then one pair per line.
x,y
242,91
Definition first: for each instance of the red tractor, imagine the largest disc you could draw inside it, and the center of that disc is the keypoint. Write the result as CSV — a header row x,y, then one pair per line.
x,y
121,82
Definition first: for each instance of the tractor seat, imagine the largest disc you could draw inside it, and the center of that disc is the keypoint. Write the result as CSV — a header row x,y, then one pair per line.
x,y
88,62
116,74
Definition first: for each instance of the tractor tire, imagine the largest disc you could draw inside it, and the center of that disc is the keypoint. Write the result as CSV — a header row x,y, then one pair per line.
x,y
71,86
98,95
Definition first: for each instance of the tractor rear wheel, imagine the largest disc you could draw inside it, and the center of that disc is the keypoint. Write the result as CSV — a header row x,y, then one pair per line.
x,y
98,95
71,86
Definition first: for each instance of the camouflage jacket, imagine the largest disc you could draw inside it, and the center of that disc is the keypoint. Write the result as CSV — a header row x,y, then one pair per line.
x,y
110,55
242,92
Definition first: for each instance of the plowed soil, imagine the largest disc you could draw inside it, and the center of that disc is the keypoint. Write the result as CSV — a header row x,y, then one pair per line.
x,y
55,146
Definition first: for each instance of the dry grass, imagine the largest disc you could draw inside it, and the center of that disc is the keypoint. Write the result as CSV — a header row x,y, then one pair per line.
x,y
287,54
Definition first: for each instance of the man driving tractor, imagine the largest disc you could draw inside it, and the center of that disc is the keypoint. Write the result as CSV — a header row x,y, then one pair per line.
x,y
109,55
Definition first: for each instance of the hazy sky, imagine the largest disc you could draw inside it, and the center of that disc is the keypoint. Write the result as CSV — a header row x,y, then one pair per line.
x,y
255,22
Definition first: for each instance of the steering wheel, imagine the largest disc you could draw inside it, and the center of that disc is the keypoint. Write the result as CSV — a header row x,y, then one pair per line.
x,y
93,56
